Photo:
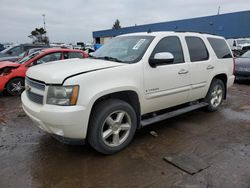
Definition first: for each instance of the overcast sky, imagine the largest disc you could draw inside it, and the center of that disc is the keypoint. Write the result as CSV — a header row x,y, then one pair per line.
x,y
74,20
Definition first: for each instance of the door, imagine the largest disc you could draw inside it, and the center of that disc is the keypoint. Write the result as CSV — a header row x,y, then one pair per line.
x,y
166,85
201,67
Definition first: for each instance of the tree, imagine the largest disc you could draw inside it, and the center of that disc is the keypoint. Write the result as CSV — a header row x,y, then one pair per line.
x,y
116,25
39,36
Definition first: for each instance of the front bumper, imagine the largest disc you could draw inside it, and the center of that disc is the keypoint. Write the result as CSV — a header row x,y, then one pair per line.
x,y
64,121
3,82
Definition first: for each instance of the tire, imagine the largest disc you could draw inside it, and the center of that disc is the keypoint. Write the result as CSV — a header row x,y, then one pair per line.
x,y
15,86
215,95
112,126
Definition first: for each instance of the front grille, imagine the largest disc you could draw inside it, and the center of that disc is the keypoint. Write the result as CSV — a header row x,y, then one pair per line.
x,y
35,90
35,84
35,97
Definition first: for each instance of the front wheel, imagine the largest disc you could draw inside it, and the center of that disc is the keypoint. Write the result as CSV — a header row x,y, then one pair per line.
x,y
15,86
112,126
215,95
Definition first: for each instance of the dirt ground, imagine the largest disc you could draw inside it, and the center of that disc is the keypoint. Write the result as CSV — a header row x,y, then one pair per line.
x,y
31,158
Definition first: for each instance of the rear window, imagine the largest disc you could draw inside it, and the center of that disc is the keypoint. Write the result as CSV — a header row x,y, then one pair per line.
x,y
220,48
197,49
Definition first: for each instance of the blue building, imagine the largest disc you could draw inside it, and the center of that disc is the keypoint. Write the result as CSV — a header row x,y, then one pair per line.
x,y
231,25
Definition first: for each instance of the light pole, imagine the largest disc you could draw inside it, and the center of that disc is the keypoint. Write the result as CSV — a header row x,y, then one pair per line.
x,y
43,15
44,24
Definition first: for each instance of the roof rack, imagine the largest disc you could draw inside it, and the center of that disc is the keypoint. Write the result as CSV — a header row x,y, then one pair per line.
x,y
194,32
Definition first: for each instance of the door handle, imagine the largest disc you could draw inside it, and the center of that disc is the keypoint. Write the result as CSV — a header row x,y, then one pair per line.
x,y
183,71
209,67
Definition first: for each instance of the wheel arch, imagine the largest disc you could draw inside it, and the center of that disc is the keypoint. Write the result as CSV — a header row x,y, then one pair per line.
x,y
129,96
12,79
223,78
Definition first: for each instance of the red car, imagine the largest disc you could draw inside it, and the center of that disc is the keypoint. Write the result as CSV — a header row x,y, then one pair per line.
x,y
12,74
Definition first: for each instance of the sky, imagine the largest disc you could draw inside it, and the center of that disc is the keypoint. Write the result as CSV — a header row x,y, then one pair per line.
x,y
71,21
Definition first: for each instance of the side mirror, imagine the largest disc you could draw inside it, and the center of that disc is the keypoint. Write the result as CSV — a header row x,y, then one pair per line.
x,y
161,58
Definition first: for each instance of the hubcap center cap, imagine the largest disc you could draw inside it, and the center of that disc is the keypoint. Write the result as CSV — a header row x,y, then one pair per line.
x,y
115,127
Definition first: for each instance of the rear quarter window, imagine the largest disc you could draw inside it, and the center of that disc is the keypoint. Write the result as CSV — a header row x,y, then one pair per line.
x,y
220,48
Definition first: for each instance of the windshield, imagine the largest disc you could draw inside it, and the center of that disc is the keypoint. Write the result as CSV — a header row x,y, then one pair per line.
x,y
22,54
7,49
246,54
243,41
27,58
125,49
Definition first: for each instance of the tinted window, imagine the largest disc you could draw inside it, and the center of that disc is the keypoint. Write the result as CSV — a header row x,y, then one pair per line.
x,y
197,49
69,55
49,57
172,45
220,48
16,50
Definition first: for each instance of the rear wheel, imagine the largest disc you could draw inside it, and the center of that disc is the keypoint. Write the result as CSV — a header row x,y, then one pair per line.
x,y
112,126
215,95
15,86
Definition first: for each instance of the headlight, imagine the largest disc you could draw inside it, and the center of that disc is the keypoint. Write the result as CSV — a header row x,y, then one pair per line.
x,y
62,95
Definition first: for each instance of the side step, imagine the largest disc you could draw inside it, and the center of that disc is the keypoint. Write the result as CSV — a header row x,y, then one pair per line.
x,y
171,114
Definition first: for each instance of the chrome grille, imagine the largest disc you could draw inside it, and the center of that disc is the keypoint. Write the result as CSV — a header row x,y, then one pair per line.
x,y
35,90
35,97
35,84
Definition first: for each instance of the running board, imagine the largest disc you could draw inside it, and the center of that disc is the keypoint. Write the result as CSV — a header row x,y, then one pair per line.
x,y
171,114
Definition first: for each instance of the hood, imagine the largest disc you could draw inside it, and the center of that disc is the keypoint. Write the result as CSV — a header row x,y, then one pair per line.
x,y
8,64
242,62
57,71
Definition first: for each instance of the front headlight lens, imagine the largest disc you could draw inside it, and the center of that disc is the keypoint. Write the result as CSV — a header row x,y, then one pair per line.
x,y
62,95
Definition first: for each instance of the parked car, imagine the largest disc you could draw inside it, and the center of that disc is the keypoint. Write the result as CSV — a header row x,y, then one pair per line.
x,y
242,67
132,81
20,56
16,50
1,47
12,74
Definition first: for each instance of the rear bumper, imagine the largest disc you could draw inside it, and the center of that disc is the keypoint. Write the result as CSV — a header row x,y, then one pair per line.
x,y
242,75
230,81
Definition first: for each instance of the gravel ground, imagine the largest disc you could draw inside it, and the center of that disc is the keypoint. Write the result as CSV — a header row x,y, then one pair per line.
x,y
31,158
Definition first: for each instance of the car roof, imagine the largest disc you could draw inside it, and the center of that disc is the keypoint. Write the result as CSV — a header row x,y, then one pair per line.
x,y
48,50
160,33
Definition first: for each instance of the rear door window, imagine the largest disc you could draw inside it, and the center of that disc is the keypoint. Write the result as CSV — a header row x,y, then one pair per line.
x,y
15,50
220,48
197,49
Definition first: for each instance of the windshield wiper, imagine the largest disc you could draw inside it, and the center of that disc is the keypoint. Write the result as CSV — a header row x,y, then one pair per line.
x,y
109,58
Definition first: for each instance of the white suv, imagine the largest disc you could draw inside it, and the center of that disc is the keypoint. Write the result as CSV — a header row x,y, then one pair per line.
x,y
132,81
